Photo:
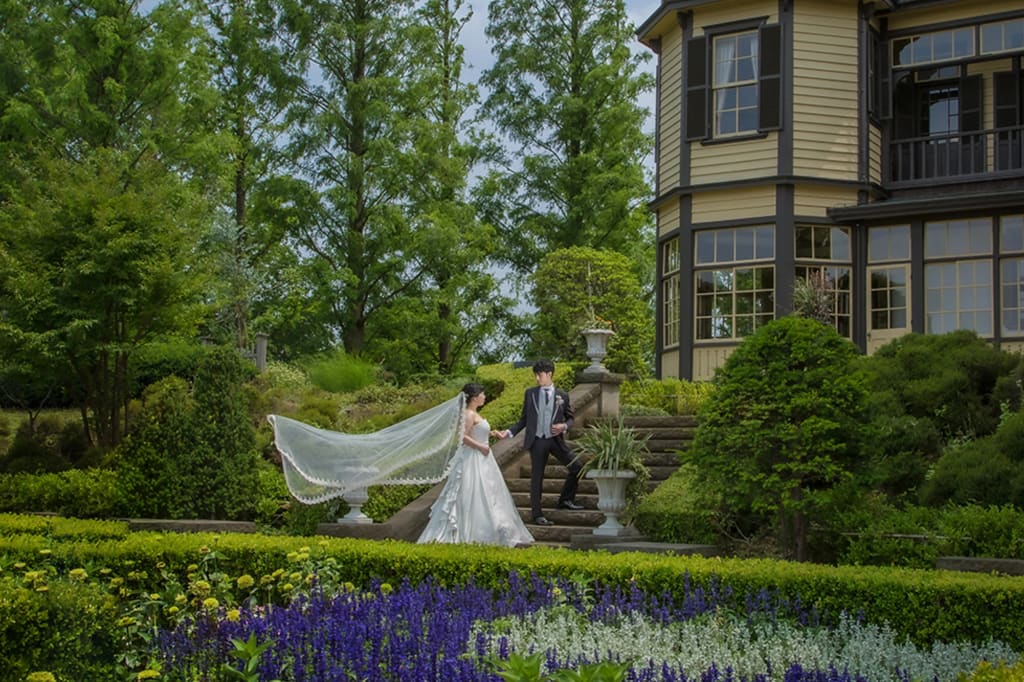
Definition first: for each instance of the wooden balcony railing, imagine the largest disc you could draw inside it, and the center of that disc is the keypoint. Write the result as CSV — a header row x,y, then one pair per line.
x,y
957,156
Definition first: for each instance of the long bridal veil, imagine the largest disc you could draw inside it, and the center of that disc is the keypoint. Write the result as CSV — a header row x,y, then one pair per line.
x,y
320,464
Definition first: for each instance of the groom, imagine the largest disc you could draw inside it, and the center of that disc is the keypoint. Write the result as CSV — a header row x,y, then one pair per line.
x,y
546,417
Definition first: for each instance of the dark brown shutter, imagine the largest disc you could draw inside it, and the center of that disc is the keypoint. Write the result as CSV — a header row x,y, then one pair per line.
x,y
883,78
970,103
904,107
770,86
1007,99
697,88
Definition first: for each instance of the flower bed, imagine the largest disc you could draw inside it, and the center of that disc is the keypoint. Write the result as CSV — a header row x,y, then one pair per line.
x,y
429,632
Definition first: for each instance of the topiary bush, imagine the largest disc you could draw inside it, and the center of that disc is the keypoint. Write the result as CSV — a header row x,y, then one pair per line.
x,y
192,454
783,428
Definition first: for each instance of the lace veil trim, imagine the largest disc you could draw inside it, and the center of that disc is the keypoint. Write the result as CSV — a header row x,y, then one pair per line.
x,y
320,464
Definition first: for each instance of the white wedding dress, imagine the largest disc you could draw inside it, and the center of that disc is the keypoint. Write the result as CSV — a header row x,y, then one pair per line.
x,y
475,504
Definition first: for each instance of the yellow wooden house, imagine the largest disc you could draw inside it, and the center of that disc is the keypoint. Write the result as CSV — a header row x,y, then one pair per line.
x,y
877,144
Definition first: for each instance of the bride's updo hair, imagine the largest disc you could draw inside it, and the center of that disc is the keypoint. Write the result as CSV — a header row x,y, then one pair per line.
x,y
472,390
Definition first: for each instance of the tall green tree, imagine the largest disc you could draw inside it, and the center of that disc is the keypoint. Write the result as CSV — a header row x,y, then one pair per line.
x,y
101,196
256,73
392,247
564,92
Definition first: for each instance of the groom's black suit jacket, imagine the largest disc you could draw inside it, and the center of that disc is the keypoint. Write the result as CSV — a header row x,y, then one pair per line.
x,y
528,419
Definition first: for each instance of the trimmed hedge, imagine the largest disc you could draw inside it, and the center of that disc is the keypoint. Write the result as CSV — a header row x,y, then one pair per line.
x,y
66,629
924,605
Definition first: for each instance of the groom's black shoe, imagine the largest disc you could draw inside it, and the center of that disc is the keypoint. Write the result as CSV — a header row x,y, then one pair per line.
x,y
541,521
569,504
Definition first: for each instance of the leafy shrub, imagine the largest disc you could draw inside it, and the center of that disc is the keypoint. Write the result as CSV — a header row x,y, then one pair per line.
x,y
783,427
158,360
900,451
878,534
950,379
995,672
678,511
81,493
987,471
53,443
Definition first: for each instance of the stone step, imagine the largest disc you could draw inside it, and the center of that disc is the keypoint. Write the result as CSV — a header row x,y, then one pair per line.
x,y
584,518
549,499
557,472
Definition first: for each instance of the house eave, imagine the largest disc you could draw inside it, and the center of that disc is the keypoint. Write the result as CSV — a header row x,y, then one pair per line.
x,y
929,206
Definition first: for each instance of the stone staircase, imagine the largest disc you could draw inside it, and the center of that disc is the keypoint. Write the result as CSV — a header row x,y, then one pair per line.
x,y
667,435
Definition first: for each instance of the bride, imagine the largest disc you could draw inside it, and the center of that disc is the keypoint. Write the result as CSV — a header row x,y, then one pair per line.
x,y
475,505
448,440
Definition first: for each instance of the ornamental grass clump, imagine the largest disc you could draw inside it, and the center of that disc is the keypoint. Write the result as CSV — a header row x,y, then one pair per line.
x,y
469,633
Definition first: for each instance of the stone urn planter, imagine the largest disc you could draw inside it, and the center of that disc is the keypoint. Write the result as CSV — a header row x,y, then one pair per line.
x,y
614,460
611,497
597,347
355,498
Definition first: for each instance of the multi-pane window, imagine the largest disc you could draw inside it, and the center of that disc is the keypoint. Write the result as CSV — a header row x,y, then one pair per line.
x,y
938,46
1011,274
670,293
1002,36
958,292
734,87
734,281
951,238
887,286
889,243
958,295
824,258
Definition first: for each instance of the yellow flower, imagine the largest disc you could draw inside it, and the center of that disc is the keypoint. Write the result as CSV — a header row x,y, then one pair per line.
x,y
201,587
204,550
42,588
278,573
18,565
125,621
287,587
233,615
154,596
292,556
385,588
210,603
180,599
192,568
46,552
148,674
172,610
295,577
244,582
116,582
78,574
40,677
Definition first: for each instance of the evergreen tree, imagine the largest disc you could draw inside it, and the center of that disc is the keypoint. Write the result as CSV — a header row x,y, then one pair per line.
x,y
563,92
